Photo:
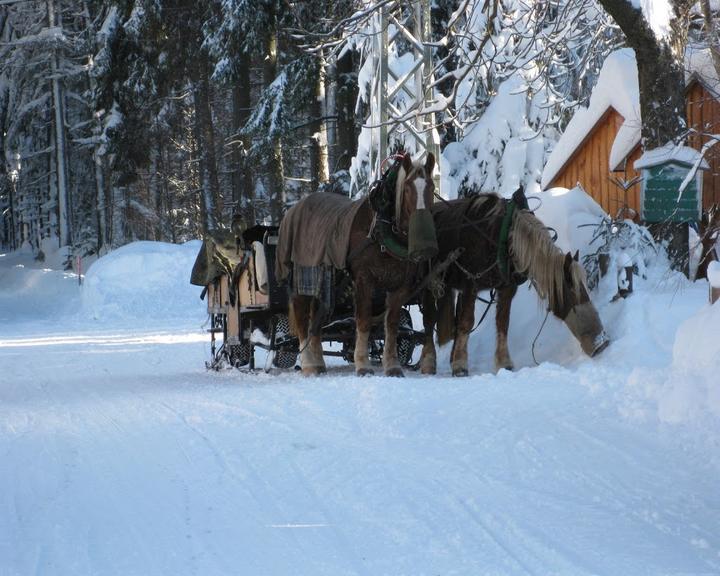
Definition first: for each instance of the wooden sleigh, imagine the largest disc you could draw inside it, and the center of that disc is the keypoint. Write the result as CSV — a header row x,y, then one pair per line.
x,y
248,308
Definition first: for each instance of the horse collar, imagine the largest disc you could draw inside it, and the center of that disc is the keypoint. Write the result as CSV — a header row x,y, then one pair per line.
x,y
382,203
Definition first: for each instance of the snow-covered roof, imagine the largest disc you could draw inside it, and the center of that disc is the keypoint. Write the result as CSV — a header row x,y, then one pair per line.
x,y
699,66
617,88
670,153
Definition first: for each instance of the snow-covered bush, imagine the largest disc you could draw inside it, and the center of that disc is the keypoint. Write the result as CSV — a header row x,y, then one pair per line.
x,y
619,244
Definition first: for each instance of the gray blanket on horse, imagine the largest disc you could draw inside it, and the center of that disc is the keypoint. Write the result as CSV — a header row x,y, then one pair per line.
x,y
315,232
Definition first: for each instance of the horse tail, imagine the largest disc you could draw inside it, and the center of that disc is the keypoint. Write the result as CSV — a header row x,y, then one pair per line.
x,y
446,318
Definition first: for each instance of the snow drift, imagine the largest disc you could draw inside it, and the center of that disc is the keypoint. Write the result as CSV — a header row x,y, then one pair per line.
x,y
148,280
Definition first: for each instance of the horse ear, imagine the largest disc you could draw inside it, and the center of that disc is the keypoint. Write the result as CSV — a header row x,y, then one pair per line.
x,y
407,163
430,164
576,257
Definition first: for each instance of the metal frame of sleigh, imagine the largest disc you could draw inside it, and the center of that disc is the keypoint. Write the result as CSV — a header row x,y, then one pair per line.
x,y
248,308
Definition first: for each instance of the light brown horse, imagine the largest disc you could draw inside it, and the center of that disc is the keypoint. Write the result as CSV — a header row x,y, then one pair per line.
x,y
475,224
372,266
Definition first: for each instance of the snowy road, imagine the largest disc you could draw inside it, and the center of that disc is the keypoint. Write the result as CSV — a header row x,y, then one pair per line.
x,y
124,456
121,455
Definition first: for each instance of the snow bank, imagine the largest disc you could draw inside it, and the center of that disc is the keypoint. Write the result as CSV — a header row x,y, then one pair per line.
x,y
713,274
688,391
28,293
573,214
143,280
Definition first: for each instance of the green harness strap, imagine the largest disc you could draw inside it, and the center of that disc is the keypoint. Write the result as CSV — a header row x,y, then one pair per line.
x,y
502,256
389,241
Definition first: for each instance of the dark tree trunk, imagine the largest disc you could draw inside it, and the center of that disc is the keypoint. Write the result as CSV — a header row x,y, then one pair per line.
x,y
319,170
661,80
205,142
242,180
660,70
441,14
7,222
347,92
274,180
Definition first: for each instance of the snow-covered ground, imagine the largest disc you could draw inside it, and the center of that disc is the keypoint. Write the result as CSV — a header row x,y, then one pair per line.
x,y
120,454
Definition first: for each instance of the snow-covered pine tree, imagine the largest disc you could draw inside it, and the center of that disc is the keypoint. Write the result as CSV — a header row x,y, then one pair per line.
x,y
507,75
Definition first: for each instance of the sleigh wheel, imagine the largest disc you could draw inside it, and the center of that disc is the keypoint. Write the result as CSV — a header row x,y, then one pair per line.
x,y
405,344
239,354
285,352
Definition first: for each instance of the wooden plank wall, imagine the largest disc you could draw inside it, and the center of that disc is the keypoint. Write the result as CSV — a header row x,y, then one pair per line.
x,y
703,113
589,165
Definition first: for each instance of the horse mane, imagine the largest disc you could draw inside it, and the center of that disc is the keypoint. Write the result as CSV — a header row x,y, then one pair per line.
x,y
535,254
478,206
399,184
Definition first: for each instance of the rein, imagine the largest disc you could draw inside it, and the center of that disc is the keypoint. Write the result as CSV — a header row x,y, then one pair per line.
x,y
532,349
487,309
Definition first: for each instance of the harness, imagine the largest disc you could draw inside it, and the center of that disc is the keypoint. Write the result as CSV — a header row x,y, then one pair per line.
x,y
518,201
383,228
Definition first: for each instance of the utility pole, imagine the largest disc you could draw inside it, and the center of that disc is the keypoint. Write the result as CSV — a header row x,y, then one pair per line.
x,y
414,124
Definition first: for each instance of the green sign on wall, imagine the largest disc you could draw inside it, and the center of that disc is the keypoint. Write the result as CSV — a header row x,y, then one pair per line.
x,y
660,190
663,171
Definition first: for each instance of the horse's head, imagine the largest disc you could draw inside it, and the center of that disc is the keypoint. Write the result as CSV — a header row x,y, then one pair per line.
x,y
572,304
414,189
414,192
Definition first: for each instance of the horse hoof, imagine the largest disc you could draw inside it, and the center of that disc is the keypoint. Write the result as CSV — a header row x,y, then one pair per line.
x,y
394,373
364,372
428,367
508,367
312,371
460,372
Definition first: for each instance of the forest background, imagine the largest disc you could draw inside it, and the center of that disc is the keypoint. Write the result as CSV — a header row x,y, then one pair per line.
x,y
159,119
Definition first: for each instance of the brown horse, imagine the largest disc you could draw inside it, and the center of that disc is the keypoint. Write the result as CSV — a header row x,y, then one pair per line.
x,y
368,256
490,261
710,238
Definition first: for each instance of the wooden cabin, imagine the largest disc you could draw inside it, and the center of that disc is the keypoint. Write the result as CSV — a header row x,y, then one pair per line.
x,y
588,161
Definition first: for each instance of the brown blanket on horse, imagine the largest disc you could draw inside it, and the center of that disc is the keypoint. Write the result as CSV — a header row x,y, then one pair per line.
x,y
316,231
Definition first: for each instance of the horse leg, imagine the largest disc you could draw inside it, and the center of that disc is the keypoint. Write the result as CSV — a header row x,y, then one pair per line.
x,y
315,350
363,319
465,321
502,321
393,305
428,358
301,307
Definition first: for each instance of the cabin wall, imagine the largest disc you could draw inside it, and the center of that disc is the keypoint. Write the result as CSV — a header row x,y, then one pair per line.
x,y
590,164
703,113
590,167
